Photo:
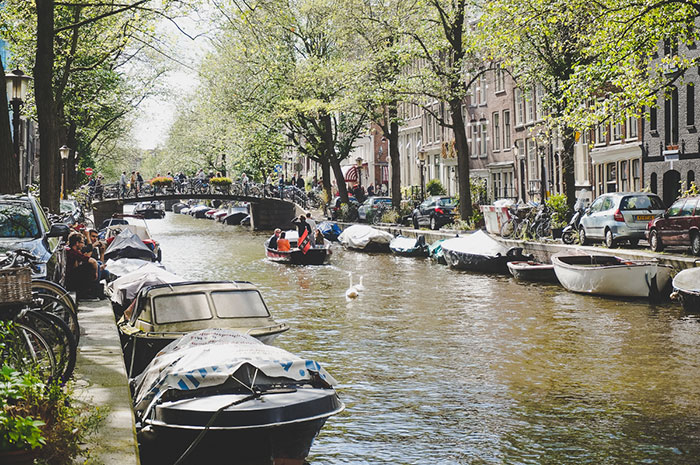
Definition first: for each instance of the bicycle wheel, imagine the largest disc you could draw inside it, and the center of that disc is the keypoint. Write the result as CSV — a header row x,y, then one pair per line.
x,y
44,286
48,303
543,230
522,230
26,349
59,336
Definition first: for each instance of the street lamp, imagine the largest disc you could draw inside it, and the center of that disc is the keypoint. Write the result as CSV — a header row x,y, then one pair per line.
x,y
65,152
358,160
421,162
17,84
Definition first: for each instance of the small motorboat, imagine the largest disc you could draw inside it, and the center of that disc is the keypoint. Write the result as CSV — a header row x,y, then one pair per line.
x,y
435,251
177,208
150,210
199,211
209,214
236,216
317,255
140,230
246,221
330,230
533,271
365,238
480,252
686,287
217,396
409,246
126,244
161,313
126,287
185,211
611,276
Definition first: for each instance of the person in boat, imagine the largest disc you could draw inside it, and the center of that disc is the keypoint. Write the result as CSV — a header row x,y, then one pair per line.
x,y
302,226
312,223
272,242
320,240
283,243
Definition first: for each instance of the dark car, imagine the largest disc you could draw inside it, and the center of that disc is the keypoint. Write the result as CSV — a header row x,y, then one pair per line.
x,y
435,211
24,225
679,225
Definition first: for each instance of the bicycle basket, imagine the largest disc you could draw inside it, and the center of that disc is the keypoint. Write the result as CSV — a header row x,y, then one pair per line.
x,y
15,286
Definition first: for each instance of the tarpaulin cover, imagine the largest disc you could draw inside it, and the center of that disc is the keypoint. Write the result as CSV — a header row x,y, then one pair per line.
x,y
478,243
123,266
128,245
359,235
688,280
330,230
404,244
125,288
209,357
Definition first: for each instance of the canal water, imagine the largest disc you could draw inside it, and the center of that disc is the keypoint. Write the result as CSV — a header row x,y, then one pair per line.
x,y
438,366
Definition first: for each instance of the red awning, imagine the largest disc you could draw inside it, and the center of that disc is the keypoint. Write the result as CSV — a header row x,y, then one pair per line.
x,y
385,174
349,173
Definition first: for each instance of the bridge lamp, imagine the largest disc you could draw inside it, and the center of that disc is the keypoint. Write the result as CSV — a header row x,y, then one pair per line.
x,y
65,153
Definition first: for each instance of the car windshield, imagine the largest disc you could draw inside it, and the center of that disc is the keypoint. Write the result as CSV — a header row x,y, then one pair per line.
x,y
387,201
17,220
641,202
446,202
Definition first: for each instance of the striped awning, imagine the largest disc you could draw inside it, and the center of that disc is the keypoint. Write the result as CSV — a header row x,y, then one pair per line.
x,y
349,173
385,174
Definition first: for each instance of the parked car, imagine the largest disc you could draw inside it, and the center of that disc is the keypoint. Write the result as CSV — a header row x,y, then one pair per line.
x,y
435,211
24,225
336,203
619,216
371,207
679,225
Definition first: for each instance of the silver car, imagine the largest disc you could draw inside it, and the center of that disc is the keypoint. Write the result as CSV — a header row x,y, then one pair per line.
x,y
619,216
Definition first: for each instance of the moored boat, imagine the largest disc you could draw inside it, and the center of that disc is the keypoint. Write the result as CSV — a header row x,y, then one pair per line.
x,y
317,255
409,246
480,252
611,276
150,210
533,271
246,402
365,238
686,286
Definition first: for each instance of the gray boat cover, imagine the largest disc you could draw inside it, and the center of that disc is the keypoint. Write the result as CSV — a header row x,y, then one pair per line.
x,y
125,288
688,280
404,244
478,243
209,357
122,266
128,245
358,236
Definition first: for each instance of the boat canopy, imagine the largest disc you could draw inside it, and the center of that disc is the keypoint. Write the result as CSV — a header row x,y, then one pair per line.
x,y
127,244
688,280
359,235
210,357
478,243
125,288
406,244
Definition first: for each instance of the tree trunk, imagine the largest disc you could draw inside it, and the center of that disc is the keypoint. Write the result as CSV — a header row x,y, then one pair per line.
x,y
340,179
50,173
329,153
9,160
567,167
72,173
395,157
326,176
462,149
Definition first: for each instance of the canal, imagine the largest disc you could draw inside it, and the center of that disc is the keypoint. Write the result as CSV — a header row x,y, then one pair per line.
x,y
438,366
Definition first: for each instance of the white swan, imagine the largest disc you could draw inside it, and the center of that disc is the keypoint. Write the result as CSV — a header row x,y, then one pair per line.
x,y
360,287
352,291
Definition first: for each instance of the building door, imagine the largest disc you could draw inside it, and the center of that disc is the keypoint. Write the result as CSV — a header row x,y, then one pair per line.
x,y
672,186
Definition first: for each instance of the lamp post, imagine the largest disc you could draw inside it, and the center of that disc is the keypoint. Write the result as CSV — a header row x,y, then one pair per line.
x,y
358,161
65,152
421,163
17,84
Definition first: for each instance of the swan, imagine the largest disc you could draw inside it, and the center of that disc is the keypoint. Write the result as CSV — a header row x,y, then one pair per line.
x,y
360,287
352,291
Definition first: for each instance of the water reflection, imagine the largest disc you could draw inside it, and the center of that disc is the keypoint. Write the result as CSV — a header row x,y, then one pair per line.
x,y
441,367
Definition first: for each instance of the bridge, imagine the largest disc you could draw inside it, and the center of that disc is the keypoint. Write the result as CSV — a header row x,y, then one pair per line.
x,y
266,212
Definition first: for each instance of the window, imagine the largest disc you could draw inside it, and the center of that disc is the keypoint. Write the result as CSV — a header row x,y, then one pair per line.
x,y
239,304
611,177
624,184
635,175
600,133
600,179
483,137
631,130
172,308
539,96
496,132
675,209
500,79
519,108
688,207
529,107
671,47
17,220
691,178
532,159
616,131
652,119
482,88
690,105
506,129
671,116
652,183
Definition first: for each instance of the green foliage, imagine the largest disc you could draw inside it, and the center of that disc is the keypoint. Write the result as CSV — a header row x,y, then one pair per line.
x,y
348,212
390,216
691,191
435,187
17,431
557,204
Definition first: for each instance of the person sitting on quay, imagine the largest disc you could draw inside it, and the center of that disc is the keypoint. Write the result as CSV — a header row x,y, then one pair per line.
x,y
283,243
272,243
81,269
95,248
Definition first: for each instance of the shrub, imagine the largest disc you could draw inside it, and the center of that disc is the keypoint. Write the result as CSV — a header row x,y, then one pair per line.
x,y
390,216
222,181
162,181
435,187
559,208
348,212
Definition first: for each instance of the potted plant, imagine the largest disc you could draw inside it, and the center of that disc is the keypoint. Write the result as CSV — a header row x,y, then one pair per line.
x,y
559,209
161,181
222,183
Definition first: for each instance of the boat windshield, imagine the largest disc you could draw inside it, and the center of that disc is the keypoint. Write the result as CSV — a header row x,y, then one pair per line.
x,y
239,304
173,308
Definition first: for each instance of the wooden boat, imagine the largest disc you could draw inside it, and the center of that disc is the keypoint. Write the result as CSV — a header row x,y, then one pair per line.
x,y
533,271
686,287
318,255
480,252
365,238
611,276
150,210
409,246
256,404
162,313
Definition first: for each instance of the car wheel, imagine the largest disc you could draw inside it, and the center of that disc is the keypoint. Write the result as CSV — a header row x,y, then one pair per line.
x,y
415,222
655,241
433,223
634,242
695,243
610,242
582,236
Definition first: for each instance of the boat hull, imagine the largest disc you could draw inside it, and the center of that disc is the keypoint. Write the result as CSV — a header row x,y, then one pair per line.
x,y
626,279
689,300
530,271
482,263
314,256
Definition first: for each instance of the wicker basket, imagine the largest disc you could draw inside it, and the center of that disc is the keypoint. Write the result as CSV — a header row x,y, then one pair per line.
x,y
15,286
